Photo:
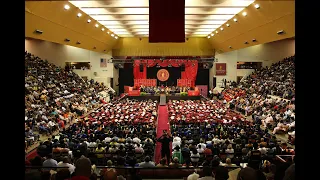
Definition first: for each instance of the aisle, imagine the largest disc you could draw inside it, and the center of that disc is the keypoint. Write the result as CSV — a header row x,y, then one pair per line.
x,y
162,124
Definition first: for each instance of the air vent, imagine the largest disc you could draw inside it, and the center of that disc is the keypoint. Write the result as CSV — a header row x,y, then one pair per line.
x,y
66,40
78,42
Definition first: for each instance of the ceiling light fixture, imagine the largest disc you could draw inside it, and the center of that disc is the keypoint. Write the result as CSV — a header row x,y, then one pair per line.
x,y
221,29
217,32
79,14
209,37
108,32
97,25
116,37
212,34
89,20
244,14
257,6
228,25
102,29
254,40
235,20
112,35
66,7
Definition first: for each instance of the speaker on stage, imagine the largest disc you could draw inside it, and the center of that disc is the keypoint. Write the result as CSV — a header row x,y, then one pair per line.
x,y
141,67
183,67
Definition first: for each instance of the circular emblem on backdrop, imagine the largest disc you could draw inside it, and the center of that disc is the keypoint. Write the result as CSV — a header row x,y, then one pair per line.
x,y
163,75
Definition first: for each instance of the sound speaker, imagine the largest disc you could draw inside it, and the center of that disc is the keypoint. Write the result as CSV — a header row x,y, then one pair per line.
x,y
183,67
141,68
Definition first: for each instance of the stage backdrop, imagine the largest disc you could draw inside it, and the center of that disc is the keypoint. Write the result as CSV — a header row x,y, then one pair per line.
x,y
174,74
191,67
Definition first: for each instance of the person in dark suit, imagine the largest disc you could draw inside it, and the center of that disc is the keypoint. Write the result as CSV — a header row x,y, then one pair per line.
x,y
165,140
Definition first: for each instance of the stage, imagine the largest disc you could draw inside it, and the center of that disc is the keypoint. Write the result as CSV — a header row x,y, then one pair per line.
x,y
168,97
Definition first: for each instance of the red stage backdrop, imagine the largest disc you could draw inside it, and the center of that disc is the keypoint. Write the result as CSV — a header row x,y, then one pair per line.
x,y
191,68
221,69
166,21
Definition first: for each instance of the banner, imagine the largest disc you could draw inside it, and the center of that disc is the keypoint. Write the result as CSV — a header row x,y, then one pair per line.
x,y
221,69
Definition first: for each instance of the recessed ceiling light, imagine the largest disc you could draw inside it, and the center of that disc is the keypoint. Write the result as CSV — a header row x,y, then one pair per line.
x,y
235,20
89,20
212,34
102,29
257,6
217,32
208,37
97,25
116,37
221,29
79,14
108,32
112,35
244,14
66,7
228,25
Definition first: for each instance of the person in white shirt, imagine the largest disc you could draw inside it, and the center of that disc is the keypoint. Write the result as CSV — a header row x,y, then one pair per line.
x,y
49,162
177,138
200,149
175,143
195,156
65,163
136,139
230,151
263,149
216,140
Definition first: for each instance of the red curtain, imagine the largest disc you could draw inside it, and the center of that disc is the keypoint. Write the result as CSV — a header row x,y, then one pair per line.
x,y
191,68
136,71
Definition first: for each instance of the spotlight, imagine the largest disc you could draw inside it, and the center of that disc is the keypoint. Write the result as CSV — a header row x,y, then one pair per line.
x,y
66,7
257,6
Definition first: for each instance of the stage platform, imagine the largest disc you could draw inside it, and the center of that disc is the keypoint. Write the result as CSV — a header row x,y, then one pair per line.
x,y
167,97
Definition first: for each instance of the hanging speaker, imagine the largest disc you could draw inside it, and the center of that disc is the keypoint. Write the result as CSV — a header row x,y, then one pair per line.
x,y
183,67
141,68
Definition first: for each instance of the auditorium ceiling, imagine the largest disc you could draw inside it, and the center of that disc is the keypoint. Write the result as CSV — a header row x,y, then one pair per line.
x,y
122,25
130,18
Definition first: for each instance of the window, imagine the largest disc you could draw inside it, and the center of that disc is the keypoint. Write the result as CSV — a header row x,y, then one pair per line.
x,y
249,65
79,65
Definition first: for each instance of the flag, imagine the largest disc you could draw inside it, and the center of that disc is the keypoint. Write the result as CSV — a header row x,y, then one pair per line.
x,y
103,62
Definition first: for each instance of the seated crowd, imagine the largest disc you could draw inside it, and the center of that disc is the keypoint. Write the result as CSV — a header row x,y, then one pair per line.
x,y
164,89
54,97
268,95
205,133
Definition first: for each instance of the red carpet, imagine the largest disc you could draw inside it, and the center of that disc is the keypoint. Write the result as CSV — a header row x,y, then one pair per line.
x,y
163,124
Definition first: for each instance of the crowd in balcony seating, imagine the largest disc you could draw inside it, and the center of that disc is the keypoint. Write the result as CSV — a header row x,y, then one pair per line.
x,y
54,97
268,95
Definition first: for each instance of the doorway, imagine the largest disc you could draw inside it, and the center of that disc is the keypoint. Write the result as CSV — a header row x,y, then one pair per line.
x,y
239,79
214,82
